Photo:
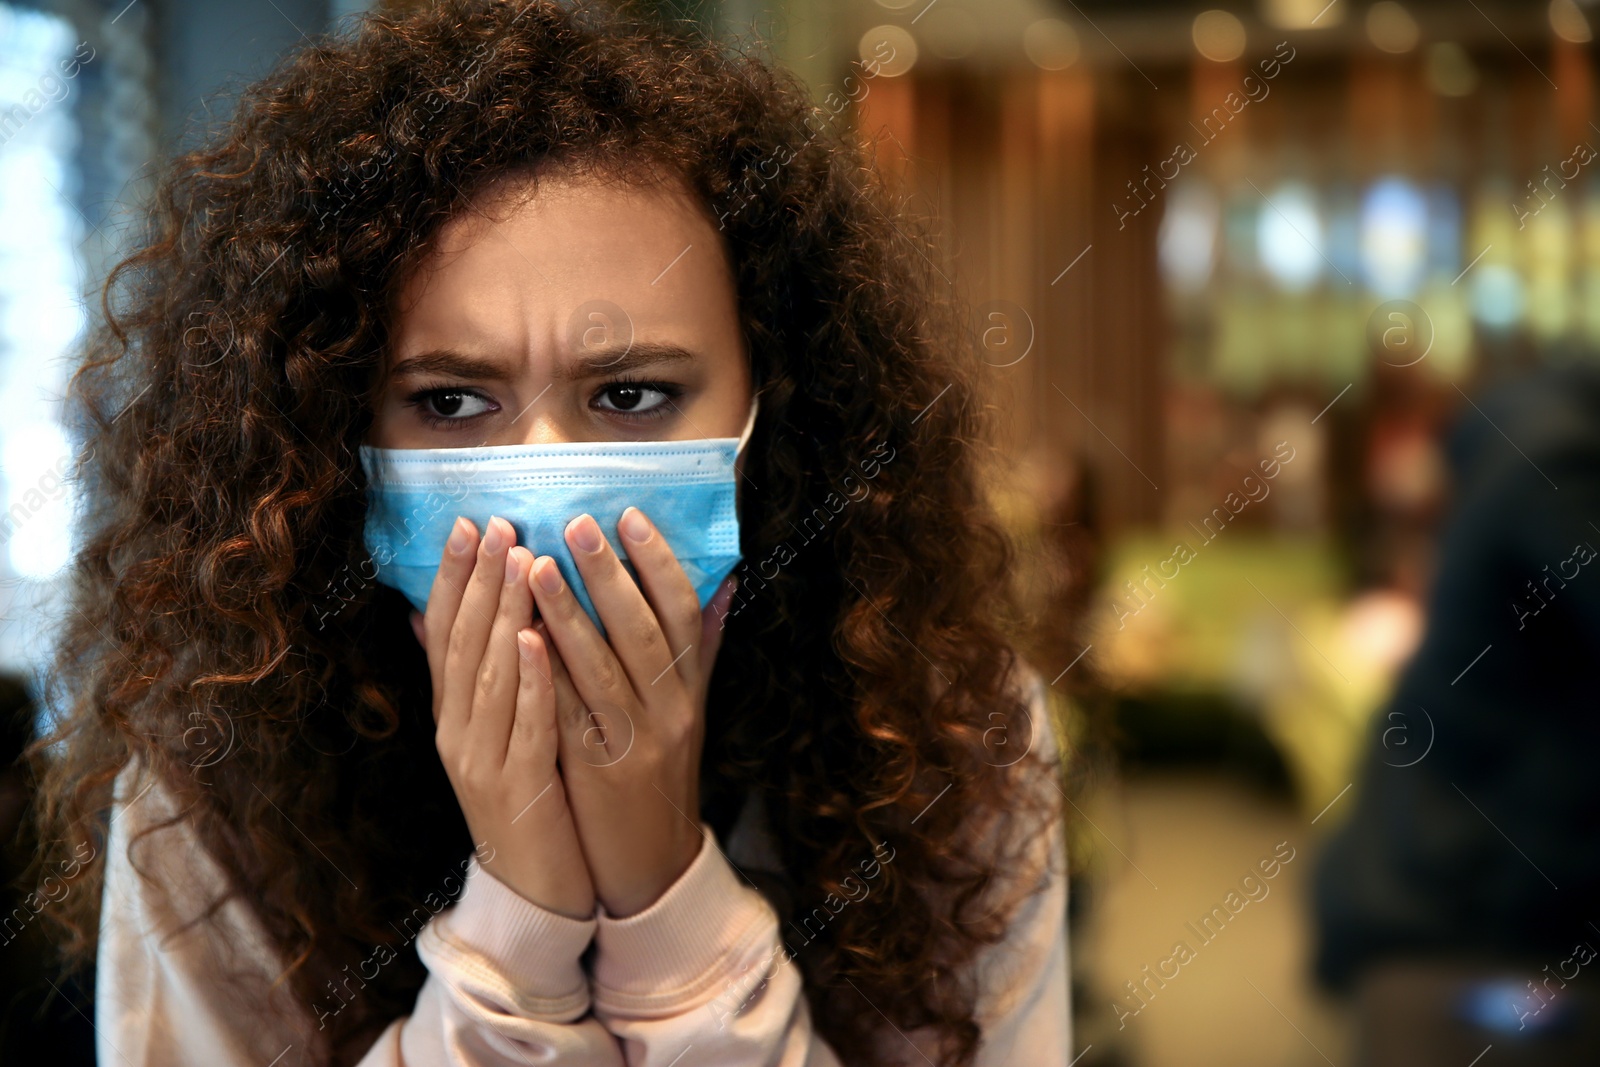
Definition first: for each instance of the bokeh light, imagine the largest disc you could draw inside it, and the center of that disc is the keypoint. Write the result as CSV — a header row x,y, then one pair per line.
x,y
1290,236
1451,71
1218,35
1394,237
1569,23
1391,27
890,48
1051,44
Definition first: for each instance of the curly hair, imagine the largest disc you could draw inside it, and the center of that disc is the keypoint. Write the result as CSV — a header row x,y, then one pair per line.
x,y
222,629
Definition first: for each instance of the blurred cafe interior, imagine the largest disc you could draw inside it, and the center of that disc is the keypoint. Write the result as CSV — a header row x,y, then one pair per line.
x,y
1289,309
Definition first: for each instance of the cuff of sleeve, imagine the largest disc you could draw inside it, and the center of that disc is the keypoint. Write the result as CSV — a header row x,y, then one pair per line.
x,y
536,949
681,944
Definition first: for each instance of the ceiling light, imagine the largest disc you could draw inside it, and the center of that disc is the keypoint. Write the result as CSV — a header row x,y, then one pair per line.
x,y
1391,27
1302,14
1051,44
1568,22
888,49
1219,36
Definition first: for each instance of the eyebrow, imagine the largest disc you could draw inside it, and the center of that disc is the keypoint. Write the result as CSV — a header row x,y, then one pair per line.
x,y
606,360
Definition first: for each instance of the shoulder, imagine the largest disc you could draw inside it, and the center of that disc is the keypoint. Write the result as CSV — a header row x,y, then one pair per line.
x,y
155,858
1037,757
180,957
1022,979
1029,685
1022,740
1553,414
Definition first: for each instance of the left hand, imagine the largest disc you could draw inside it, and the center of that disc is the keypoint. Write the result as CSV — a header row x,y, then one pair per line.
x,y
631,710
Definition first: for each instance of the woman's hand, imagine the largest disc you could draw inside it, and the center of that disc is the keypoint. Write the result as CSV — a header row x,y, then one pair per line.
x,y
494,712
631,711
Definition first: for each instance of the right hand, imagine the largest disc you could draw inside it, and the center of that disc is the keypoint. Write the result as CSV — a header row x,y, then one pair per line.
x,y
494,717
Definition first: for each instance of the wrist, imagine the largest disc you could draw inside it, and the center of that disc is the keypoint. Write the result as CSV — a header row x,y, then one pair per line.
x,y
536,855
632,900
563,888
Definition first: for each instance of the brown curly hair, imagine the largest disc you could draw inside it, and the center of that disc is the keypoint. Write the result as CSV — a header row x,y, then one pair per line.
x,y
222,632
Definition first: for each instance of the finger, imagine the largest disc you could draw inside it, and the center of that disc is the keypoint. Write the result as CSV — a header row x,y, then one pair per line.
x,y
568,704
534,741
598,677
494,701
570,712
667,588
465,642
635,636
444,601
586,739
712,624
419,631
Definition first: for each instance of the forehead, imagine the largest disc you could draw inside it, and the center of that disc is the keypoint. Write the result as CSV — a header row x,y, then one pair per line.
x,y
539,247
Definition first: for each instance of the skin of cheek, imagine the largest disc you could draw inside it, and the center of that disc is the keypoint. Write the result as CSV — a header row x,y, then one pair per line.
x,y
651,251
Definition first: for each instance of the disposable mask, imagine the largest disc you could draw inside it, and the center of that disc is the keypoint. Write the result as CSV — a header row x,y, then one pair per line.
x,y
686,488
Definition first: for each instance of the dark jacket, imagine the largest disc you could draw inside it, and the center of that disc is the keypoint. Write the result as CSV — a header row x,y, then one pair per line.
x,y
1489,844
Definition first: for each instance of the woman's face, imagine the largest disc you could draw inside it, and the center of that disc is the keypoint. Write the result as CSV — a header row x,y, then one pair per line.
x,y
593,311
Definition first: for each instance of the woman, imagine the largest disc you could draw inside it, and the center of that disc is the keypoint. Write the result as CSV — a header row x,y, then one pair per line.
x,y
604,814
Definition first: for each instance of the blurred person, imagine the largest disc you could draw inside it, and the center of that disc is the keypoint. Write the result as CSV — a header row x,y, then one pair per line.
x,y
1053,511
33,1016
1457,901
477,813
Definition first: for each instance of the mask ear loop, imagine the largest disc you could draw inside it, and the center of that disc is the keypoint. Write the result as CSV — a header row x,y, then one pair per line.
x,y
749,423
744,439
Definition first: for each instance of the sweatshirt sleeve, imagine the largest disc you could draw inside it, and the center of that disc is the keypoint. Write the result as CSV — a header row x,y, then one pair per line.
x,y
705,968
504,987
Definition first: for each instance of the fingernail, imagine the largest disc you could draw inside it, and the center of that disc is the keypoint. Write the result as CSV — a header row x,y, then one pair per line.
x,y
585,533
547,574
525,646
513,567
634,526
458,536
493,539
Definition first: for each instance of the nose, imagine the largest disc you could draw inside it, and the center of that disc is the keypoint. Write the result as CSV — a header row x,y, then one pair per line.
x,y
537,424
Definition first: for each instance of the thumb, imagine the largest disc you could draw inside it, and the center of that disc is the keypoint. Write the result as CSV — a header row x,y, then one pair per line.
x,y
713,622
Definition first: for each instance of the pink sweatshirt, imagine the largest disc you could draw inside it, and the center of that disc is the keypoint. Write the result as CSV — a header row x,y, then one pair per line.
x,y
677,985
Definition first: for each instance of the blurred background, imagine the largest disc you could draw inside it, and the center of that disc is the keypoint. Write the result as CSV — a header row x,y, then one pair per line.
x,y
1241,274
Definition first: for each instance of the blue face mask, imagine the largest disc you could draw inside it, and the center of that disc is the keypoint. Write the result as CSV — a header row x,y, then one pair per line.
x,y
687,488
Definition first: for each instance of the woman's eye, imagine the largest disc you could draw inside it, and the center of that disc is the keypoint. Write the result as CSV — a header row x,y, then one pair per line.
x,y
451,405
633,398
